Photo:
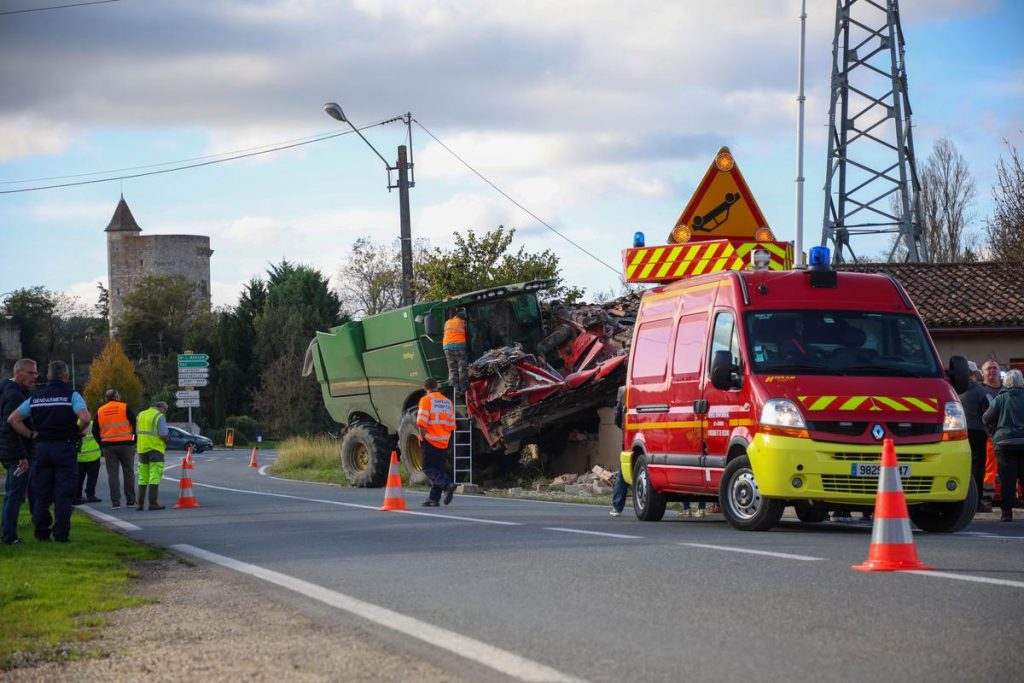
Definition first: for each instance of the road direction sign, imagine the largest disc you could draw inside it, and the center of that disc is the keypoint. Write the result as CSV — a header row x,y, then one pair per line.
x,y
193,364
187,403
193,372
188,393
182,357
193,382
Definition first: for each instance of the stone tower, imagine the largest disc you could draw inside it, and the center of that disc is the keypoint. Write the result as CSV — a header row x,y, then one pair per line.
x,y
132,257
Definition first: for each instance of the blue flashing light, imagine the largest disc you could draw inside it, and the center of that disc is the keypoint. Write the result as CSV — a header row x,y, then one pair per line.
x,y
638,239
819,256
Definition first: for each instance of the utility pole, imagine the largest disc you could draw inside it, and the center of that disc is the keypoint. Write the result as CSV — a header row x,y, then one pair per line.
x,y
871,184
800,140
406,229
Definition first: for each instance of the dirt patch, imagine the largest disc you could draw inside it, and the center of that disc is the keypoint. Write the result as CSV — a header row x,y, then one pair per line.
x,y
205,627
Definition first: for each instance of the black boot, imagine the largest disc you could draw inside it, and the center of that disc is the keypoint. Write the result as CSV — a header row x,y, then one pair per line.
x,y
141,505
154,490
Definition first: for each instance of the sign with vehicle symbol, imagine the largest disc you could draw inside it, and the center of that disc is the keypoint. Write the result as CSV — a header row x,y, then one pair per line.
x,y
723,205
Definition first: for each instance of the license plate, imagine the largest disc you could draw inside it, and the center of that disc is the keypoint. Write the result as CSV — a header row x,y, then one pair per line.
x,y
870,469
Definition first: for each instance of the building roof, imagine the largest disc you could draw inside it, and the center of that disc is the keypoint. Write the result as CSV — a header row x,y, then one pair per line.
x,y
960,295
123,220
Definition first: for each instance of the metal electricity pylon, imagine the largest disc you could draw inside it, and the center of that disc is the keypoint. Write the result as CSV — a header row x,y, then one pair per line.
x,y
871,183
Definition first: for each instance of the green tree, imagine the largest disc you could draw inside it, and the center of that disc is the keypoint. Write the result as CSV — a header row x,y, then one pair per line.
x,y
1005,229
32,308
160,313
478,262
111,369
286,403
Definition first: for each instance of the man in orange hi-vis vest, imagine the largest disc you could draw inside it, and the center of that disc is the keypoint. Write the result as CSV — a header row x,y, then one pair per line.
x,y
114,429
456,350
435,422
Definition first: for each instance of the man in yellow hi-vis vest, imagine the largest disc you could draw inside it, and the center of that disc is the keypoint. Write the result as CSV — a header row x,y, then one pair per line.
x,y
88,468
152,432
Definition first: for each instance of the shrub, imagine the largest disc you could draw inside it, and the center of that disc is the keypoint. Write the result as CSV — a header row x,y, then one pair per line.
x,y
245,425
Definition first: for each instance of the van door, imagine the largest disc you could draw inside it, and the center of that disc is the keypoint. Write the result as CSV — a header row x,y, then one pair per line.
x,y
685,428
724,408
647,401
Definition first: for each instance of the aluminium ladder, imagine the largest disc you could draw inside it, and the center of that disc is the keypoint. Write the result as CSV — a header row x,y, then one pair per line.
x,y
462,443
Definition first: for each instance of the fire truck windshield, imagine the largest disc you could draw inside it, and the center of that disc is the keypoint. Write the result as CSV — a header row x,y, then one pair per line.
x,y
821,342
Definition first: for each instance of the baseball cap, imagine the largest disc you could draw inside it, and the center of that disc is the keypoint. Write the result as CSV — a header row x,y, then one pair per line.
x,y
972,366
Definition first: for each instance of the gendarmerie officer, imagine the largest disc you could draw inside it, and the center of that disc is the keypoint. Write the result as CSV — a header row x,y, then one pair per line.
x,y
58,417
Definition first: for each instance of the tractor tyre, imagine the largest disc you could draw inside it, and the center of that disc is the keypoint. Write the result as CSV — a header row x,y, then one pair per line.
x,y
409,447
366,454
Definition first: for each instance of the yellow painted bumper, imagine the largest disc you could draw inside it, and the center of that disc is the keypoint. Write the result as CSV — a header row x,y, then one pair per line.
x,y
626,466
824,470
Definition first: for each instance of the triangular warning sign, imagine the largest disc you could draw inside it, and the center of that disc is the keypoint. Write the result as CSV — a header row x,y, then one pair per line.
x,y
722,206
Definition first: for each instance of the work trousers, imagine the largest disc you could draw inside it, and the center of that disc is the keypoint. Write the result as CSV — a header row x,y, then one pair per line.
x,y
151,468
120,459
54,475
978,439
16,486
88,473
435,461
458,373
1011,470
619,493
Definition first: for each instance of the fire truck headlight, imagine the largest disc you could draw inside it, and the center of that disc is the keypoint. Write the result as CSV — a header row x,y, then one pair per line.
x,y
781,412
954,424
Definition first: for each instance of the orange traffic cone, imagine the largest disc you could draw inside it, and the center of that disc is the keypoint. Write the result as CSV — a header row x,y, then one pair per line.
x,y
188,459
252,458
393,499
892,542
185,497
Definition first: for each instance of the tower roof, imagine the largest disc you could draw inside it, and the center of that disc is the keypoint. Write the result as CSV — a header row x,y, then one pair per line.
x,y
123,220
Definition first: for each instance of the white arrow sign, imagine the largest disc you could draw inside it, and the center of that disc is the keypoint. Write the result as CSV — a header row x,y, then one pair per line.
x,y
187,403
194,393
193,371
192,382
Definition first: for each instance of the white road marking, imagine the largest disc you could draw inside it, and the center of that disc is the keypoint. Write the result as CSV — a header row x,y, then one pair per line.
x,y
984,534
353,505
974,579
785,556
263,470
494,658
589,533
109,519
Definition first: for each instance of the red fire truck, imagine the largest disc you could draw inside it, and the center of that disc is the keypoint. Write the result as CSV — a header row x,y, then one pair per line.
x,y
765,386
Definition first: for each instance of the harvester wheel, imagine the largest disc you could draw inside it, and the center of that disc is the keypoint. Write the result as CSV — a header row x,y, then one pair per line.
x,y
365,455
409,447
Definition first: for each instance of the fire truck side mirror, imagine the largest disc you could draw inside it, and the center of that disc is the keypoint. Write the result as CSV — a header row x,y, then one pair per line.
x,y
958,373
722,370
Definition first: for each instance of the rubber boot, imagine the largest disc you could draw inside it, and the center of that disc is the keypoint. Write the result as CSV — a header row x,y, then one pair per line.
x,y
154,491
141,505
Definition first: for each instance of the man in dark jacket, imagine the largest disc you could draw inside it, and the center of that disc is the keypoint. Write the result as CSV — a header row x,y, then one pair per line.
x,y
15,450
1005,419
976,401
59,415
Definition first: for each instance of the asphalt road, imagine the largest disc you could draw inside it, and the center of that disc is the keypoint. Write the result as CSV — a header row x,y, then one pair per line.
x,y
502,589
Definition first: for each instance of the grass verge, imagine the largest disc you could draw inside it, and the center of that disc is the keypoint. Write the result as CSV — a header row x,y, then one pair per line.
x,y
313,458
53,595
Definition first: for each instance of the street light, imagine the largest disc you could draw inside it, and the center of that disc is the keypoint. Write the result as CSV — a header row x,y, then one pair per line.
x,y
403,166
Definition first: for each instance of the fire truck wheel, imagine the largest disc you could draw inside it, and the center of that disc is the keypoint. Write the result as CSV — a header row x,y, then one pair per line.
x,y
648,504
409,447
742,503
946,518
808,515
365,455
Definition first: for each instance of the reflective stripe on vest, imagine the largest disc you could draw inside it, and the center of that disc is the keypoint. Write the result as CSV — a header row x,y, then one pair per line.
x,y
90,449
454,332
148,431
436,416
112,418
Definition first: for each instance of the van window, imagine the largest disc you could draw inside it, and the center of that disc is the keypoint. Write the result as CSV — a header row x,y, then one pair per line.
x,y
689,344
825,342
725,337
650,352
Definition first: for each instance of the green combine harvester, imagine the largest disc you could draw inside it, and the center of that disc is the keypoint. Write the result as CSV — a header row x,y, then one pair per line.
x,y
371,375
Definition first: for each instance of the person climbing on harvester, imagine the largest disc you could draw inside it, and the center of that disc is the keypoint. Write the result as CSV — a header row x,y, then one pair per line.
x,y
456,351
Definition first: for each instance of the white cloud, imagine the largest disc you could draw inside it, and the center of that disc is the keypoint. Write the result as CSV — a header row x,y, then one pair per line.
x,y
29,134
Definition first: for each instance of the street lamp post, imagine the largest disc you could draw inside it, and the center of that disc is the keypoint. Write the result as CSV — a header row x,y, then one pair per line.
x,y
403,166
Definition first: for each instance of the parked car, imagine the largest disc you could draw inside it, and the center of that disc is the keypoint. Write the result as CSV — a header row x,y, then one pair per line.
x,y
180,440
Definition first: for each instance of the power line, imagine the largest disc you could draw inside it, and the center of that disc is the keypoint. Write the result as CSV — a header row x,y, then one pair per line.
x,y
312,138
506,196
188,166
42,9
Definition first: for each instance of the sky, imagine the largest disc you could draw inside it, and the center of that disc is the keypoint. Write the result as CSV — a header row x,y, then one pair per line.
x,y
600,117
